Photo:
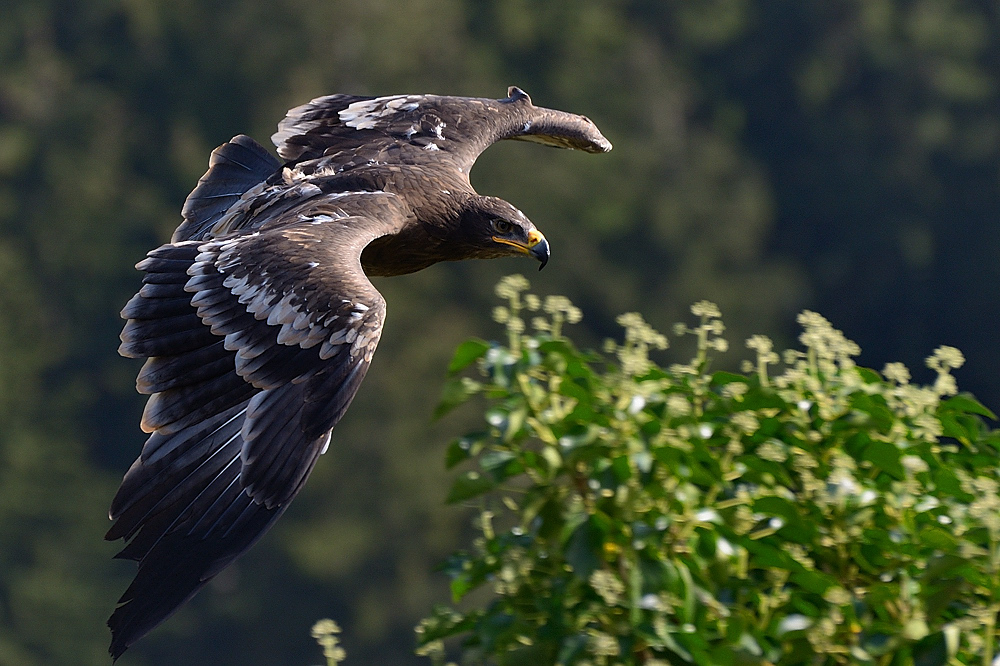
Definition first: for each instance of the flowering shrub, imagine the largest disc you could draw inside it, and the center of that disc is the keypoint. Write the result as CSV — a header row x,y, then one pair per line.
x,y
806,511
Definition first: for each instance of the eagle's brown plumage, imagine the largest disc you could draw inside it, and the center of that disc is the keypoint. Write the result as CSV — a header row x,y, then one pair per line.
x,y
258,320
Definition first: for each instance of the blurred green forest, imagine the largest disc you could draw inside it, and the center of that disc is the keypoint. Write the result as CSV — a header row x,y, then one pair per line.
x,y
770,155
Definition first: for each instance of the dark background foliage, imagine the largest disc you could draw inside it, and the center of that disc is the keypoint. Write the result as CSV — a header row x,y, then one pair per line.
x,y
769,155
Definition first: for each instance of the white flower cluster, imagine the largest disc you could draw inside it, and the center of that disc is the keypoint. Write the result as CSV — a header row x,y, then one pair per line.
x,y
559,310
640,337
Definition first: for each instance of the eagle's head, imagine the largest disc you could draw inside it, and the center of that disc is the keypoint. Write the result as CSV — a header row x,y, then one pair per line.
x,y
490,227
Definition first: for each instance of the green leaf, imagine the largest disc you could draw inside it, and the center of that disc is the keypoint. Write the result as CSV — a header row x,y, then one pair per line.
x,y
794,528
456,453
813,581
937,538
493,459
963,402
761,398
952,427
456,391
948,484
886,457
940,591
675,648
501,465
881,416
947,567
621,468
460,586
767,556
468,485
722,378
461,449
493,627
583,548
541,653
466,354
869,376
551,517
574,388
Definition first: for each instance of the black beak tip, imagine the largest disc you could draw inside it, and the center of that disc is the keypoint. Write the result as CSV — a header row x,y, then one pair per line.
x,y
541,253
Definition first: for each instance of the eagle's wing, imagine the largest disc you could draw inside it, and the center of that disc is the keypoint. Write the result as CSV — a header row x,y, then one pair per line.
x,y
235,168
256,344
342,130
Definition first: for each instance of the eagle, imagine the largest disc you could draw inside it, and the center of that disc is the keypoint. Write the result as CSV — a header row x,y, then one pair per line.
x,y
258,320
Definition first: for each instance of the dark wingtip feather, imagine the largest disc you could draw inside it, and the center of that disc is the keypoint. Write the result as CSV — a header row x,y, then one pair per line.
x,y
179,564
234,168
118,644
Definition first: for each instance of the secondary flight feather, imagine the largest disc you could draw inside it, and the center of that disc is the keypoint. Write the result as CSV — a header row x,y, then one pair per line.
x,y
258,321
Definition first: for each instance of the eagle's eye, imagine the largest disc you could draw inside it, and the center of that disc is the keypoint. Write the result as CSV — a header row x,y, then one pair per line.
x,y
502,226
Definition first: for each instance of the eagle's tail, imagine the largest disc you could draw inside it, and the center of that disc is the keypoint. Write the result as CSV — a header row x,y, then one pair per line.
x,y
234,168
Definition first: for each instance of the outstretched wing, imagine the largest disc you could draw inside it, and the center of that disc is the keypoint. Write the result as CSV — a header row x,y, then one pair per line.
x,y
348,130
256,345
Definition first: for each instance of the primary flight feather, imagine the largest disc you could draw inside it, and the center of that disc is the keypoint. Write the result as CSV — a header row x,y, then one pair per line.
x,y
258,321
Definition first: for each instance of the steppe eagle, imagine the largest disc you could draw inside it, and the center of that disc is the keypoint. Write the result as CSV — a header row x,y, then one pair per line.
x,y
258,321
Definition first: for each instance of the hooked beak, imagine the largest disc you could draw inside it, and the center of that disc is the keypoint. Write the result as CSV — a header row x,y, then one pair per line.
x,y
536,246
